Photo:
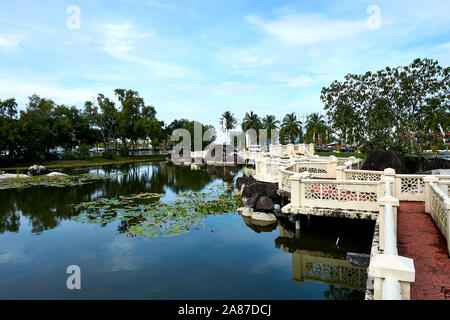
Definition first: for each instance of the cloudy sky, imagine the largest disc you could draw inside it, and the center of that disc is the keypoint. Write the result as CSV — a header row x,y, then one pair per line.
x,y
198,58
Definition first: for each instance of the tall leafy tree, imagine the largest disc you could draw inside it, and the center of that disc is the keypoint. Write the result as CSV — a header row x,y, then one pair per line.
x,y
387,109
269,122
228,122
251,121
291,128
316,128
9,135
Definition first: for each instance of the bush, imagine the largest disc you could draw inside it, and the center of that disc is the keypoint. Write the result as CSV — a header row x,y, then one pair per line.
x,y
108,155
124,152
83,152
69,155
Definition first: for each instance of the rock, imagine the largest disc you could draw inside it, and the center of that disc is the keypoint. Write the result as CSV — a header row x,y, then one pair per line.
x,y
36,170
56,174
380,160
13,176
263,216
251,202
264,204
241,183
247,212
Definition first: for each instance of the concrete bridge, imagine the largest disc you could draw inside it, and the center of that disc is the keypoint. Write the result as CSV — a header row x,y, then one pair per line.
x,y
335,187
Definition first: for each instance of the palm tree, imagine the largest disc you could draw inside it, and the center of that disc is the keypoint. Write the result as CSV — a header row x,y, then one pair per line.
x,y
228,122
251,121
291,127
315,127
269,123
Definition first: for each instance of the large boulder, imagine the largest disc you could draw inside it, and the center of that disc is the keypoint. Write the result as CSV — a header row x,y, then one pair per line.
x,y
380,160
262,188
264,204
36,170
241,182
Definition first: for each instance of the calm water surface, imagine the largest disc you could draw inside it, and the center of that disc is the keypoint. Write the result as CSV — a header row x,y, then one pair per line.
x,y
232,259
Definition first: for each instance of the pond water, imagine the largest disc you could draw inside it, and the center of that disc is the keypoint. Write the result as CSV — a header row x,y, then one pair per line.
x,y
223,257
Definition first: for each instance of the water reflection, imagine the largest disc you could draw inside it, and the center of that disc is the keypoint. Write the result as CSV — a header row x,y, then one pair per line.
x,y
316,257
46,207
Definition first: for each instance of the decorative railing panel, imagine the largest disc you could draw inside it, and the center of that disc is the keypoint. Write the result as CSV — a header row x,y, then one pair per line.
x,y
363,175
439,211
336,194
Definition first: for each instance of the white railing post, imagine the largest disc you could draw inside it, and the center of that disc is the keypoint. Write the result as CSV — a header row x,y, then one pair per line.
x,y
331,168
298,188
391,174
392,273
427,180
340,173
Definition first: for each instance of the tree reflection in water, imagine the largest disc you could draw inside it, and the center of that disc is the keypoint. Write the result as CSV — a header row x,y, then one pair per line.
x,y
46,207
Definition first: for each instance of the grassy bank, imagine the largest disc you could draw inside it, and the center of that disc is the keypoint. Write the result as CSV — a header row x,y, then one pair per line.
x,y
57,164
343,155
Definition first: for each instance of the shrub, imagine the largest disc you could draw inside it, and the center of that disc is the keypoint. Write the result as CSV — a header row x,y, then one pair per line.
x,y
83,152
108,155
69,155
124,151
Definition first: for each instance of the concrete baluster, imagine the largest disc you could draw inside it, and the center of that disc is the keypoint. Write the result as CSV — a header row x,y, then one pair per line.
x,y
427,180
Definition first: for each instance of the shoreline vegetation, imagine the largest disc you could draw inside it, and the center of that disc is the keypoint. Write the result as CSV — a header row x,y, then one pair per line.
x,y
62,164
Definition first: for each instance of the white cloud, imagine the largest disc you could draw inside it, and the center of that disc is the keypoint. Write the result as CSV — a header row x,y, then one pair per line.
x,y
119,38
300,81
306,29
120,41
10,41
243,58
21,90
160,4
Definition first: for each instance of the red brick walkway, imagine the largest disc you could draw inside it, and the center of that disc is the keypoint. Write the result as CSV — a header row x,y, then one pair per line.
x,y
419,239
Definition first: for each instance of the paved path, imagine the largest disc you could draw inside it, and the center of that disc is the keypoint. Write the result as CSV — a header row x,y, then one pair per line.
x,y
419,239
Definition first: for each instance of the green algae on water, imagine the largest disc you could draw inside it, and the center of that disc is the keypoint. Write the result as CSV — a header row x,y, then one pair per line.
x,y
148,217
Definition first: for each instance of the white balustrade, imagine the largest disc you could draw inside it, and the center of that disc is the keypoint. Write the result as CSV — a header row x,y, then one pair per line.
x,y
392,274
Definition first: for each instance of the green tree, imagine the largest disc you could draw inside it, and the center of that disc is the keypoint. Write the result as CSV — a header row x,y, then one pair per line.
x,y
36,126
316,128
291,128
228,122
387,109
8,126
269,122
251,121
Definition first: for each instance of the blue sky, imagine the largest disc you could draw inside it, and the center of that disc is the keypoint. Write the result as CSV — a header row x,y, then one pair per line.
x,y
196,59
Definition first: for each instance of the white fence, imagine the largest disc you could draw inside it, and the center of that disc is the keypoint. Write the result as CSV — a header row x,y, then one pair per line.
x,y
391,273
437,203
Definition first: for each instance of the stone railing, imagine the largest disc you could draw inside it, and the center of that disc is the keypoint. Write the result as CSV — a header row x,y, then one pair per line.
x,y
284,182
437,204
318,169
392,274
333,194
361,175
410,187
267,170
407,187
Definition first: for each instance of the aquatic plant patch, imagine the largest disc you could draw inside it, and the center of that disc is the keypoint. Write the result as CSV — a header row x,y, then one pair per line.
x,y
148,217
57,182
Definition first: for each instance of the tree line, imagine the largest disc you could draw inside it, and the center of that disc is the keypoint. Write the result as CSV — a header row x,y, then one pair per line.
x,y
403,109
35,133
